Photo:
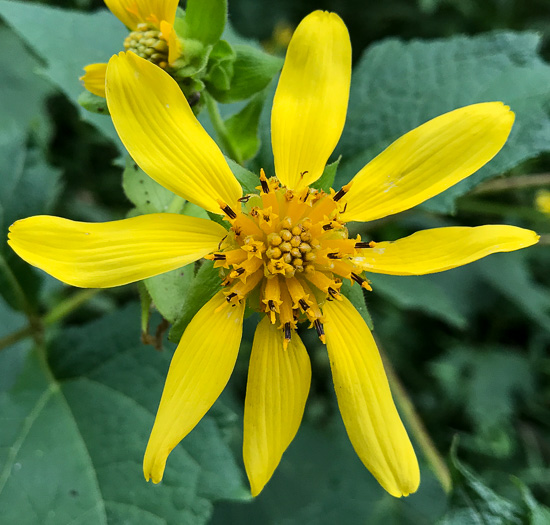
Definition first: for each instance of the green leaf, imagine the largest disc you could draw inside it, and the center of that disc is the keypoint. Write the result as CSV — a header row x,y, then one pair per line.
x,y
23,90
205,20
93,103
397,86
326,180
253,70
538,514
205,285
78,428
146,194
357,297
67,41
475,502
242,128
169,290
418,293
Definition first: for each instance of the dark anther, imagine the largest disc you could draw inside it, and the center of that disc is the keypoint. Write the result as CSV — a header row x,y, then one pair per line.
x,y
303,173
334,255
230,296
220,243
319,327
339,195
328,226
345,208
362,244
219,257
265,185
288,334
240,271
246,198
332,291
271,305
303,304
229,212
359,280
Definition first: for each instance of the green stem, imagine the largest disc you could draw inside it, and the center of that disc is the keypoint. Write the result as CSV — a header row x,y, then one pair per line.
x,y
221,130
11,281
416,427
67,306
495,208
58,312
511,183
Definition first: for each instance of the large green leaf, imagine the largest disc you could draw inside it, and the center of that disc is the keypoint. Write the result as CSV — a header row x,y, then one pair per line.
x,y
67,41
79,420
397,86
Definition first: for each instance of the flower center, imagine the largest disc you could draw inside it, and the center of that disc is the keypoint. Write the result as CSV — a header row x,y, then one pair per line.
x,y
146,41
287,253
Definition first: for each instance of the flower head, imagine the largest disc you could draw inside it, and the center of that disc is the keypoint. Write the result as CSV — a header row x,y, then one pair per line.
x,y
151,36
285,250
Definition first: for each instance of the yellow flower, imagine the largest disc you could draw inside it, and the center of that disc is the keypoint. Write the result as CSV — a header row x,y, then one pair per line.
x,y
152,36
286,250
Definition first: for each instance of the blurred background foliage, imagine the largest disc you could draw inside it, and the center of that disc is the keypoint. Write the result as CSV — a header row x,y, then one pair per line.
x,y
469,346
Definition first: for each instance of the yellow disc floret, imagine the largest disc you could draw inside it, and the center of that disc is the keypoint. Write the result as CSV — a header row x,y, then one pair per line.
x,y
147,42
292,248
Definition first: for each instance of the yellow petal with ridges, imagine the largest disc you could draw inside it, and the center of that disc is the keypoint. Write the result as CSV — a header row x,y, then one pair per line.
x,y
365,401
439,249
100,255
158,128
428,160
199,371
94,79
310,105
276,393
134,12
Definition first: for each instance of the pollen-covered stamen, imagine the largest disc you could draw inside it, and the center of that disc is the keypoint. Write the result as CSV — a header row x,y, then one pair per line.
x,y
364,244
147,42
263,181
320,330
361,281
227,210
341,192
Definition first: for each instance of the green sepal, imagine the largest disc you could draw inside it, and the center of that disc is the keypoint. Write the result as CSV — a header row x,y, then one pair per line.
x,y
242,128
326,180
203,287
220,66
356,295
248,180
93,103
168,291
205,20
253,70
193,60
146,194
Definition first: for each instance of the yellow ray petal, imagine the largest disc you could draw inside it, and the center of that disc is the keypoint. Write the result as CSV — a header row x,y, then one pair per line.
x,y
278,385
428,160
158,128
174,44
134,12
439,249
94,79
309,109
372,422
199,371
100,255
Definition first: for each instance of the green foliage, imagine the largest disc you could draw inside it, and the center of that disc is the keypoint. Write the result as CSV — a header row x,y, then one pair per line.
x,y
67,41
93,103
248,180
203,287
253,70
83,417
326,180
397,86
205,20
357,297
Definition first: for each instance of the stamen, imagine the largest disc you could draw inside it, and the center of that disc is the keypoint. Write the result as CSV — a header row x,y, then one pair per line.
x,y
361,281
303,305
230,296
227,210
333,293
263,181
288,333
271,305
363,244
334,255
342,192
320,330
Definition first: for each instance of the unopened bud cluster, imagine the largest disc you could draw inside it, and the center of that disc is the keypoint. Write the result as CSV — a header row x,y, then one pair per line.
x,y
147,42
